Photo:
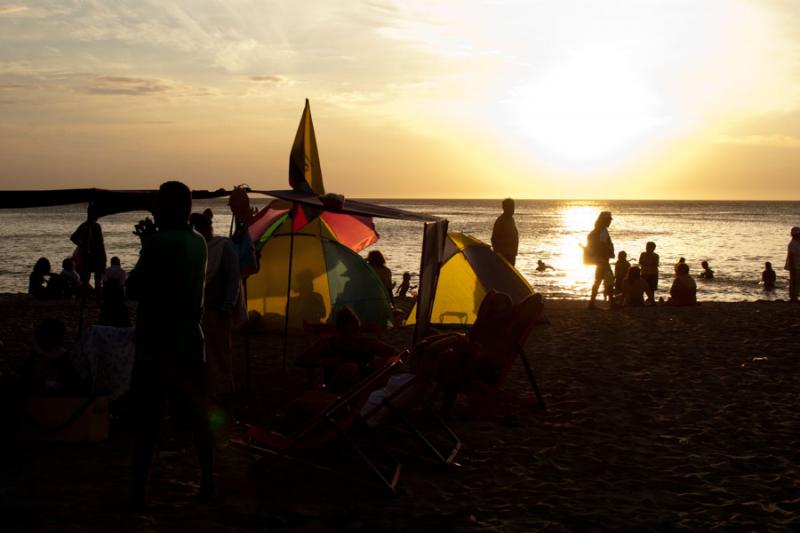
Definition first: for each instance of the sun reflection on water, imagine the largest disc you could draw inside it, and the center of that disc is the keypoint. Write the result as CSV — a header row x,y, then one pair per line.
x,y
570,277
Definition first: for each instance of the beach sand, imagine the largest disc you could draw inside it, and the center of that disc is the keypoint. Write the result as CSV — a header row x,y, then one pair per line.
x,y
657,418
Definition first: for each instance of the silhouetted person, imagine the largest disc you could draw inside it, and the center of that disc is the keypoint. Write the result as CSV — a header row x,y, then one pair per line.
x,y
648,262
169,362
209,214
684,289
405,286
793,264
71,277
346,356
621,269
37,280
681,261
91,250
376,260
707,273
505,237
634,288
308,303
541,266
44,284
599,249
221,292
48,367
768,277
115,274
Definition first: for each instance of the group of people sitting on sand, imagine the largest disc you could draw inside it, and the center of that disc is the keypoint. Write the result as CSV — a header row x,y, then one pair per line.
x,y
636,286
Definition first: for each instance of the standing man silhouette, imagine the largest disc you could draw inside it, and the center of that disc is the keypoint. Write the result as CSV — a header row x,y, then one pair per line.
x,y
505,237
169,364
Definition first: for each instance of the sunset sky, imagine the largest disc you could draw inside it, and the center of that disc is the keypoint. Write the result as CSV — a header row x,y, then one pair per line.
x,y
532,99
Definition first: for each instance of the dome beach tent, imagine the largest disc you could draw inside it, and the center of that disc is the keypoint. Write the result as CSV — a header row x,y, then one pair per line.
x,y
469,270
325,276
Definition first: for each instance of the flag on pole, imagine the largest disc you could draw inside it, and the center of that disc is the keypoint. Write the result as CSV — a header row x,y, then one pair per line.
x,y
305,172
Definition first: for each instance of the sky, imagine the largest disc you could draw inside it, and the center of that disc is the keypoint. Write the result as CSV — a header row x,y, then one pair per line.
x,y
565,99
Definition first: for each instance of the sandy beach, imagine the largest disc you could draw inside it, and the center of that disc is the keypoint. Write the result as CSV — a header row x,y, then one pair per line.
x,y
657,419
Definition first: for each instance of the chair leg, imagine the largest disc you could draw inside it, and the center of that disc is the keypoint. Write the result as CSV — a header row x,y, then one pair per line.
x,y
415,431
531,378
443,425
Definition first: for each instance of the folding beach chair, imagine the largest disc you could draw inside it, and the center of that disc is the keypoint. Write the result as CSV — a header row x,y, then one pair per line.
x,y
510,345
396,402
334,423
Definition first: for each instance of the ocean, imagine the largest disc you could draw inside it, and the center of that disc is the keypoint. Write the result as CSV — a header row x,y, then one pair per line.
x,y
735,237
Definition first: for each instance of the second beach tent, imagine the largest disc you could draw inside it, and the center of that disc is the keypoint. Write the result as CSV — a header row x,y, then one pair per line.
x,y
469,270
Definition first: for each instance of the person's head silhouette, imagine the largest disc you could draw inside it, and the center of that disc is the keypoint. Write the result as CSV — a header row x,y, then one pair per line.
x,y
508,206
173,204
603,220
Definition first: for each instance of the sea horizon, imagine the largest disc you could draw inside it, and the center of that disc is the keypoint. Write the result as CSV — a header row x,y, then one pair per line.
x,y
736,236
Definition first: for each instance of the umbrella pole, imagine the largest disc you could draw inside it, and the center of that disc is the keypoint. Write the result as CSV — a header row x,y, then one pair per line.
x,y
288,286
246,323
85,287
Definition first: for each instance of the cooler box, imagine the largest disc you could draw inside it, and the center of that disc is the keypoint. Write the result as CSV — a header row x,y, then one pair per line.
x,y
65,418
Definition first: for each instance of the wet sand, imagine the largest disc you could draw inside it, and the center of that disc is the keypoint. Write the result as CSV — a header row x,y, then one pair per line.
x,y
658,418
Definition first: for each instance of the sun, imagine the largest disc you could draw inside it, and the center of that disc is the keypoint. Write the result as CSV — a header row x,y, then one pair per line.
x,y
591,108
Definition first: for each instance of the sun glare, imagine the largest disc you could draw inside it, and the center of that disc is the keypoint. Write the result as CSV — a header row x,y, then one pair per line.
x,y
590,109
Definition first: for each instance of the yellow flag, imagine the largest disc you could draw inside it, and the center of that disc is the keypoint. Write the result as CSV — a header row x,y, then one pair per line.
x,y
305,172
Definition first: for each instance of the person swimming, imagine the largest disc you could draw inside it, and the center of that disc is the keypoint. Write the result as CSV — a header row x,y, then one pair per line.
x,y
707,273
768,277
542,266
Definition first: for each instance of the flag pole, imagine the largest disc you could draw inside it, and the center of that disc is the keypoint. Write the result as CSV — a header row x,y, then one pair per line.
x,y
288,283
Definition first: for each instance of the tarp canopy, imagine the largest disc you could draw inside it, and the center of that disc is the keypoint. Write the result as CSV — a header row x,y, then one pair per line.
x,y
338,204
469,270
105,202
325,276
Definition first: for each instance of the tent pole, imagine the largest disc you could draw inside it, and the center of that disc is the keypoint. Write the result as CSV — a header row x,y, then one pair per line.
x,y
246,345
231,232
288,285
85,287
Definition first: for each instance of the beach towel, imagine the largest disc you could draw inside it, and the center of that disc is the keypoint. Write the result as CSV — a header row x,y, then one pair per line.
x,y
103,356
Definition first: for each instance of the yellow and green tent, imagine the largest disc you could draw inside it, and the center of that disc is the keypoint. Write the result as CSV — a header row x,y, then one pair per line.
x,y
319,276
469,270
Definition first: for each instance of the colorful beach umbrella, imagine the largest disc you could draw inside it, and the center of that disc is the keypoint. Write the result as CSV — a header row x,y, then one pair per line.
x,y
325,276
469,270
354,231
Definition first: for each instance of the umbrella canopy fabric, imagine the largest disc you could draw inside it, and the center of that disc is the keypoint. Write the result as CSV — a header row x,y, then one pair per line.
x,y
325,276
469,270
354,231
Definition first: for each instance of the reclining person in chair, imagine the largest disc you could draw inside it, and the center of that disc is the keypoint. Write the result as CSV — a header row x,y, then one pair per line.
x,y
345,357
482,354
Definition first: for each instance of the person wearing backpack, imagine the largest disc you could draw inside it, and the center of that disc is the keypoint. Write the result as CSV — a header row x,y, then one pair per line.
x,y
599,249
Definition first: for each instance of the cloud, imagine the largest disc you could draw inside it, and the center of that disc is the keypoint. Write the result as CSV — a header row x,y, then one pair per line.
x,y
10,10
274,79
778,141
125,85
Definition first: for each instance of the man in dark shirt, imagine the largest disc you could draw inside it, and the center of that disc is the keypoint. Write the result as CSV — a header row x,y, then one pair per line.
x,y
505,237
168,283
